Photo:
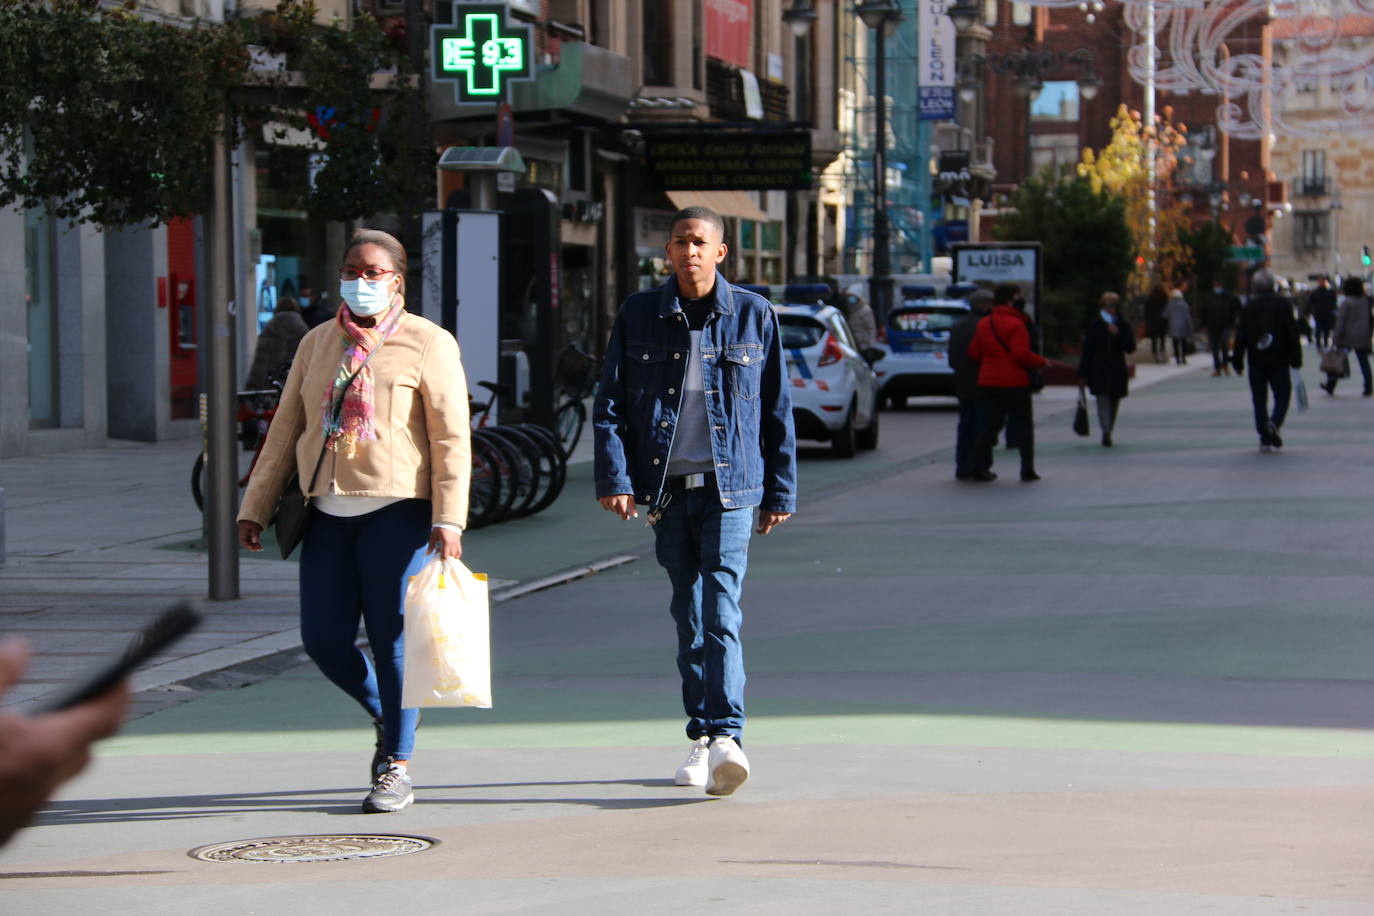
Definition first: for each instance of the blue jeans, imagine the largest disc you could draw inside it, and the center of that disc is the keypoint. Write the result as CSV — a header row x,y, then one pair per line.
x,y
357,568
705,549
966,434
1262,379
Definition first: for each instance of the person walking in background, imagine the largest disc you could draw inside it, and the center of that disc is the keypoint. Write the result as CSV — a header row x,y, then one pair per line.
x,y
1321,305
694,419
1352,331
277,344
966,383
1219,311
1001,347
377,400
1102,364
1179,317
1156,326
1267,334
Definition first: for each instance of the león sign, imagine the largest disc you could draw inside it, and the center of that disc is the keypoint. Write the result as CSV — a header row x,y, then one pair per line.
x,y
480,53
730,161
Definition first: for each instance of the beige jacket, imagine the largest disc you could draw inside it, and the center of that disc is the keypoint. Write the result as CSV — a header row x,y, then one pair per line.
x,y
423,444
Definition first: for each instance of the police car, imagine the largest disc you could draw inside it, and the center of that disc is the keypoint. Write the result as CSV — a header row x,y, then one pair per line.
x,y
834,390
916,352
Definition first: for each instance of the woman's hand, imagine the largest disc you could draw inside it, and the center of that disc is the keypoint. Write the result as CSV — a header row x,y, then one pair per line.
x,y
446,542
250,536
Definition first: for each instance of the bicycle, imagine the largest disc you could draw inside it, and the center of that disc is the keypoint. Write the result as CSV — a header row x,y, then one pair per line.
x,y
254,415
579,374
518,470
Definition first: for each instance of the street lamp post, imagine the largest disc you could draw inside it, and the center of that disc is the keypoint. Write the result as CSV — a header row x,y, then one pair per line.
x,y
882,17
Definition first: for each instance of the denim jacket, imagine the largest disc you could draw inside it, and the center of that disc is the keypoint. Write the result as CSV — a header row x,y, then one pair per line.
x,y
748,407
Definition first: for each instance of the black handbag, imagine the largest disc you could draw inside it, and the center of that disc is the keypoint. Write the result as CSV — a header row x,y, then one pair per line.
x,y
1080,416
293,512
292,517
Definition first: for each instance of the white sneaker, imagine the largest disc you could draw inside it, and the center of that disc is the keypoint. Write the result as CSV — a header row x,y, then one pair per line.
x,y
727,767
693,769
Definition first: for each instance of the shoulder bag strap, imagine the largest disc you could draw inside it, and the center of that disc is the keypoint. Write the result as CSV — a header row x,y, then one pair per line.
x,y
992,325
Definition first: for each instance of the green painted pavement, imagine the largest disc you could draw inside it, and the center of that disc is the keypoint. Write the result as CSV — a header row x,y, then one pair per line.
x,y
266,718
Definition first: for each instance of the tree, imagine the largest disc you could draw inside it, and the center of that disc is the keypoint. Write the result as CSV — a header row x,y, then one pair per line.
x,y
109,118
1209,246
1085,244
1121,167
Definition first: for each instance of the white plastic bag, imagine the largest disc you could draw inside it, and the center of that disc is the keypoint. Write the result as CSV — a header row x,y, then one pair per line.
x,y
447,638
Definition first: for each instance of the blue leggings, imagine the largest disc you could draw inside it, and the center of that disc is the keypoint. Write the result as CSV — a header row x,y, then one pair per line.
x,y
357,568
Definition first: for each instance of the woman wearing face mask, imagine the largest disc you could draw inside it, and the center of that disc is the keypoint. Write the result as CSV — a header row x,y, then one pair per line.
x,y
1102,364
376,397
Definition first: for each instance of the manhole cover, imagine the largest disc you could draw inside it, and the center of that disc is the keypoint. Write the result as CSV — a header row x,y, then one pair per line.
x,y
326,848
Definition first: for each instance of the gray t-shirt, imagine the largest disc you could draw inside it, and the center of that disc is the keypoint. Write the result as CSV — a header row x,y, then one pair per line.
x,y
691,451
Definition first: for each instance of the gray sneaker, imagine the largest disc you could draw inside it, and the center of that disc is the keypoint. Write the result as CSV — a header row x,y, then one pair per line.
x,y
391,790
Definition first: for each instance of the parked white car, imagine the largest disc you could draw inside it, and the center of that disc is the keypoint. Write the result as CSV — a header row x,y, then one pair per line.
x,y
834,390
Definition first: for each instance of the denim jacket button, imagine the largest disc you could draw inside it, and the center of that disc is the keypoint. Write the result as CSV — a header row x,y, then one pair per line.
x,y
656,461
646,355
675,356
672,391
663,423
745,360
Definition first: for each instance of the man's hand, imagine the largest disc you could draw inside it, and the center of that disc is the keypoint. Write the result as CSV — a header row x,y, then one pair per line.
x,y
622,504
446,542
39,753
1112,328
767,521
250,536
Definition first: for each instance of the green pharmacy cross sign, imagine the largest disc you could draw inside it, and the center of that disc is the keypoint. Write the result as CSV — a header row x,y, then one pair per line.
x,y
480,53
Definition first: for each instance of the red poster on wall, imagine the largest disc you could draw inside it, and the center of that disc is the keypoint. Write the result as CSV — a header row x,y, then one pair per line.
x,y
729,25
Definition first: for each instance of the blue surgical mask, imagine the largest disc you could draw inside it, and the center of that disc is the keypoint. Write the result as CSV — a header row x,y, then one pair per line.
x,y
365,299
1107,316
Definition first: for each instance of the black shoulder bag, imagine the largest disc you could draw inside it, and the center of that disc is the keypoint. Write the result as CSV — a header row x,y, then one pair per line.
x,y
1037,381
292,517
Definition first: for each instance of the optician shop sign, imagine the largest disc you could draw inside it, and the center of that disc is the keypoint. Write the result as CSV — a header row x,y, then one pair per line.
x,y
480,52
704,161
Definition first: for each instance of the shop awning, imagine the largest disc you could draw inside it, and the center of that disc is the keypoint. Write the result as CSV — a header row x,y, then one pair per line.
x,y
726,203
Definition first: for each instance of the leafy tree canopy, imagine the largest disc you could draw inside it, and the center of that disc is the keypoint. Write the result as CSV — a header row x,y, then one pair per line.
x,y
1085,244
109,118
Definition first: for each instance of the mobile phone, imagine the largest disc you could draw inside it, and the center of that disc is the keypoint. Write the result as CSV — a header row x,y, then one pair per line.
x,y
159,633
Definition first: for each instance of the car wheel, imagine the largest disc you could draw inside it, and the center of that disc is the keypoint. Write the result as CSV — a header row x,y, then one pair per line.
x,y
843,443
867,438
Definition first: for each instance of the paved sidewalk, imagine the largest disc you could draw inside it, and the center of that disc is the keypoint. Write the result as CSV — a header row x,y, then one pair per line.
x,y
1140,686
99,539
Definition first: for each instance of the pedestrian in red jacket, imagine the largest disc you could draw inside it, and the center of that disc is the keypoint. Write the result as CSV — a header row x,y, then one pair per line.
x,y
1002,347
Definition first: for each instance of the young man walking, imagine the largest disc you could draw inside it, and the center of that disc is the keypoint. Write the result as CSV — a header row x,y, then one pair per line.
x,y
693,419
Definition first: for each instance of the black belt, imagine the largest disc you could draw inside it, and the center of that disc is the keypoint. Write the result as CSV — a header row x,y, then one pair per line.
x,y
691,481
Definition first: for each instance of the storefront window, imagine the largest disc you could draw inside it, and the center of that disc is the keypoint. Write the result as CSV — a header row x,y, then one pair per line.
x,y
292,261
41,313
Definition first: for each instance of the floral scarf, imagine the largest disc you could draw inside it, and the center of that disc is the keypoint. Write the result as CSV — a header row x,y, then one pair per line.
x,y
356,420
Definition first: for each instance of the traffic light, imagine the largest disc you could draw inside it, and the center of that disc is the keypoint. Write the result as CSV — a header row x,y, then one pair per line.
x,y
1364,258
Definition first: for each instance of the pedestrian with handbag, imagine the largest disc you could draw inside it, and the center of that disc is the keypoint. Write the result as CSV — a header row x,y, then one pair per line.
x,y
374,421
1001,346
1102,364
1353,332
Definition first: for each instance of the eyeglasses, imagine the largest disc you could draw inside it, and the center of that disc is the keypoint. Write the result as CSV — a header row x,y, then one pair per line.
x,y
371,275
